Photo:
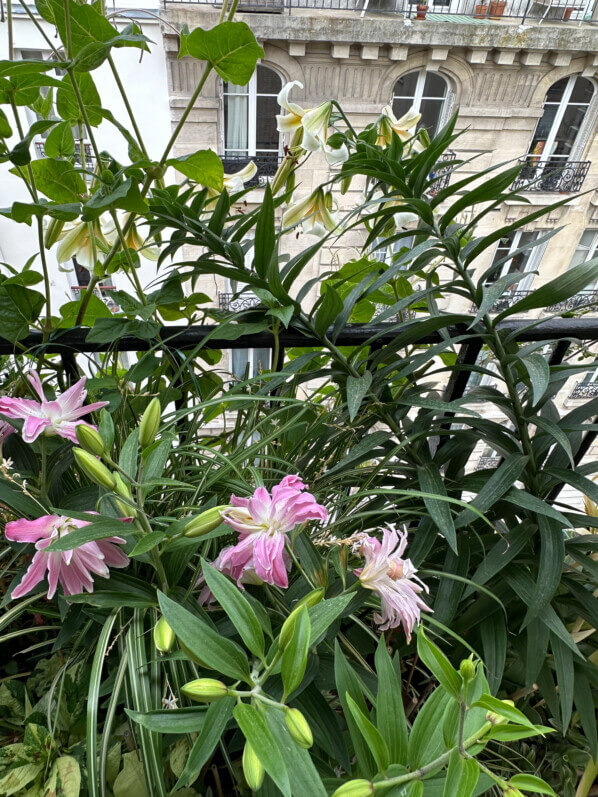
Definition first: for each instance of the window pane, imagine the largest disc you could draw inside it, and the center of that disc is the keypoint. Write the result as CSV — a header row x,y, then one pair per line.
x,y
268,82
240,363
235,122
400,107
587,238
583,91
261,361
430,111
555,92
266,134
405,86
435,86
568,130
542,130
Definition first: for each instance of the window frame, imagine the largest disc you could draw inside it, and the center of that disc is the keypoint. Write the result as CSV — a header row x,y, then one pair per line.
x,y
418,95
533,261
250,91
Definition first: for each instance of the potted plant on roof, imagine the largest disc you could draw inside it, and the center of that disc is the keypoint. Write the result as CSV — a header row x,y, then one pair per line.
x,y
422,10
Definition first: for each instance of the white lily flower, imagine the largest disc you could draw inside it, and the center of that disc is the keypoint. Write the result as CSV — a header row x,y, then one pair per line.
x,y
236,182
314,213
78,239
133,239
402,218
404,128
314,122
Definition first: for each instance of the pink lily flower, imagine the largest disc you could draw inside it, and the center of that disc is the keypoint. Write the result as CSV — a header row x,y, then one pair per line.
x,y
5,430
74,569
58,417
263,521
393,579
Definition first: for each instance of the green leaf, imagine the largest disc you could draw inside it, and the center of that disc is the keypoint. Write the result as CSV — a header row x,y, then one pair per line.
x,y
494,641
214,724
93,695
177,720
5,128
60,142
390,712
95,309
57,180
425,740
539,374
65,778
265,236
237,608
462,776
329,308
565,676
438,664
496,486
531,783
67,105
218,653
147,542
230,48
348,683
98,529
323,614
371,734
125,196
106,330
550,565
303,775
294,657
584,703
357,387
203,166
512,733
265,746
431,482
19,308
503,709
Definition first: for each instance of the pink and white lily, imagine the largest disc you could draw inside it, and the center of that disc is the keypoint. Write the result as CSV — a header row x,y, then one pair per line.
x,y
314,122
263,522
74,569
393,579
58,417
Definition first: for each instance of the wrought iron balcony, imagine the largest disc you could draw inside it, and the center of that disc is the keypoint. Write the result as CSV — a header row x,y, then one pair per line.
x,y
582,299
40,151
508,299
442,175
584,390
267,163
488,462
236,303
564,177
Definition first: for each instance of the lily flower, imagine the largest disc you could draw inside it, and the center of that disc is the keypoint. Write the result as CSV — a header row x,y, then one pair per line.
x,y
393,579
404,128
235,182
314,122
74,569
5,430
133,239
263,522
58,417
80,239
314,213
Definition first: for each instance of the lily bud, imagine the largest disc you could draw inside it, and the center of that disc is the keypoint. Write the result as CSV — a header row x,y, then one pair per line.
x,y
121,488
53,231
163,636
204,690
150,422
467,669
498,719
298,728
252,768
309,600
355,788
90,439
205,522
93,468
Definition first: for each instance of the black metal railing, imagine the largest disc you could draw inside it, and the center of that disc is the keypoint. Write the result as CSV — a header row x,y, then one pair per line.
x,y
237,302
587,299
442,175
40,151
490,10
508,299
267,163
488,462
584,390
566,177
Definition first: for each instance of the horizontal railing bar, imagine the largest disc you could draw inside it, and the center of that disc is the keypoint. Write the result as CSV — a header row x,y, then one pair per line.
x,y
354,335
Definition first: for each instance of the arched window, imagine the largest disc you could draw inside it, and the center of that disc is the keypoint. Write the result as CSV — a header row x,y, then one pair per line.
x,y
565,108
428,93
250,121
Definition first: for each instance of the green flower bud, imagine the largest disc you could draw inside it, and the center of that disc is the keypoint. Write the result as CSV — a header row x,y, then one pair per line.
x,y
149,424
107,176
93,468
121,488
252,768
467,669
309,600
53,231
298,728
90,439
205,522
355,788
204,690
163,636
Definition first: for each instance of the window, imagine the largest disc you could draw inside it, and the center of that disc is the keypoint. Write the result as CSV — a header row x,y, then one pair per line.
x,y
427,92
520,262
586,249
565,108
246,363
250,119
79,278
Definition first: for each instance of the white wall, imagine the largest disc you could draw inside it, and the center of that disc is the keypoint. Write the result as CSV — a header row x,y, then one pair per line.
x,y
147,89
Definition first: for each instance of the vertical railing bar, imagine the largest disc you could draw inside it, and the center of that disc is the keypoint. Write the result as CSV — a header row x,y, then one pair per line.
x,y
455,389
560,350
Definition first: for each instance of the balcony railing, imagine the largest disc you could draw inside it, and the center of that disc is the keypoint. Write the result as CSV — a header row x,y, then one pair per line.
x,y
236,303
508,299
491,10
566,177
582,299
488,462
442,175
40,151
584,390
267,163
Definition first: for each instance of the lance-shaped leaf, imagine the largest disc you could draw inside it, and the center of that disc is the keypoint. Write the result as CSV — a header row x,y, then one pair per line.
x,y
294,657
265,746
